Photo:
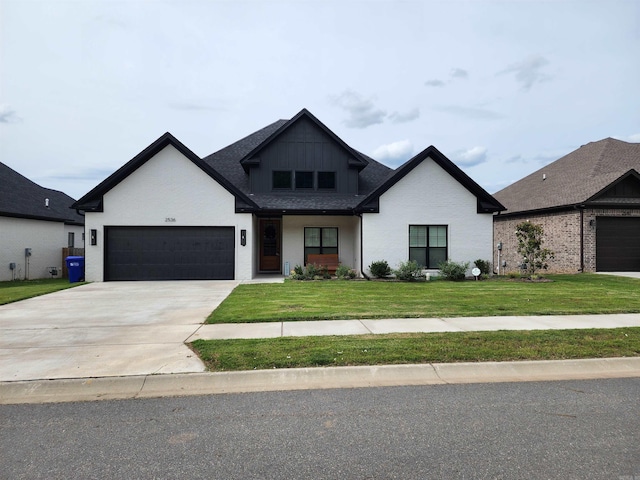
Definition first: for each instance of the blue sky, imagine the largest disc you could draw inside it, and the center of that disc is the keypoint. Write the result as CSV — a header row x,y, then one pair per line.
x,y
500,87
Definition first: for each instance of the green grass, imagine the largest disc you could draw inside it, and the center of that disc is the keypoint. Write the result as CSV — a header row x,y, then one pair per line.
x,y
21,289
292,352
326,300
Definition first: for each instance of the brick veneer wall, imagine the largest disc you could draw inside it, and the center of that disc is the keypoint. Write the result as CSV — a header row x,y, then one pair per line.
x,y
561,235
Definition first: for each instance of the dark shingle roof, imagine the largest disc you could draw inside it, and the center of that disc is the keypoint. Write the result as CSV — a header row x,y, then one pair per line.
x,y
574,178
227,160
225,166
20,197
227,163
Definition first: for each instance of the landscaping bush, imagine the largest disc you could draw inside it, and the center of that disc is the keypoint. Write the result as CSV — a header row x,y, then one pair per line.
x,y
483,265
380,269
317,272
345,273
530,240
455,271
408,271
312,272
297,273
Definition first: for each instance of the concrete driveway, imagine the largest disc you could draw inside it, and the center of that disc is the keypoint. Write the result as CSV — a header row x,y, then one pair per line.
x,y
106,329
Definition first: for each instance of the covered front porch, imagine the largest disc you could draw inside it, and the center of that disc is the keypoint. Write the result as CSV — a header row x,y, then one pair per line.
x,y
282,242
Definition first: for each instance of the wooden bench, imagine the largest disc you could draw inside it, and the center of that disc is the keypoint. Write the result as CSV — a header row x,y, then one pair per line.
x,y
329,260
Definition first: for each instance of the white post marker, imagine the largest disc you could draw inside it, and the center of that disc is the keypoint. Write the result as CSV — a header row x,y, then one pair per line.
x,y
475,272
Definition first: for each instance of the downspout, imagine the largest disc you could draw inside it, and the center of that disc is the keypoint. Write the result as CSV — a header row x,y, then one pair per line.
x,y
359,215
581,238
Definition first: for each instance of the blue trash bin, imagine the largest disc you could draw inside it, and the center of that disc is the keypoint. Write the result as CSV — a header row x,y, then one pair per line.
x,y
75,267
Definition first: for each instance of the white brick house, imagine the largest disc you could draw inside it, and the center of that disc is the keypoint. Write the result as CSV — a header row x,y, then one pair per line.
x,y
265,203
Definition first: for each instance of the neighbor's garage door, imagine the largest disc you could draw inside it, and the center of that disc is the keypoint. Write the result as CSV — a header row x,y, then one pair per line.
x,y
618,244
169,253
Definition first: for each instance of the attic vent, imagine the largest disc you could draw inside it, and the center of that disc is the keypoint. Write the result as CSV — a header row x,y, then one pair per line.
x,y
544,176
46,202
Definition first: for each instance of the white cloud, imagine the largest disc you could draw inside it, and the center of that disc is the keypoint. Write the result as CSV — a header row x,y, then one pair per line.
x,y
362,111
7,114
397,117
394,153
458,73
468,112
471,157
528,71
635,138
434,83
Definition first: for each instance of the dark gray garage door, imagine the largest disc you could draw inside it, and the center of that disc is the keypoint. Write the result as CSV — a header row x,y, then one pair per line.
x,y
618,244
169,253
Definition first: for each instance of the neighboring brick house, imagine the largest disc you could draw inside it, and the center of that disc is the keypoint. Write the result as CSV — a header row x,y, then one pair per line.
x,y
269,201
588,203
36,223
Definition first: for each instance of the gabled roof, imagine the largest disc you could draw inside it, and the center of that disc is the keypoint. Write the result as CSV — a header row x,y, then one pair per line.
x,y
22,198
574,179
227,161
229,167
92,201
253,157
486,203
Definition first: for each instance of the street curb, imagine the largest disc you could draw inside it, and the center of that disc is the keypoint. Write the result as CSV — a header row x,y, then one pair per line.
x,y
176,385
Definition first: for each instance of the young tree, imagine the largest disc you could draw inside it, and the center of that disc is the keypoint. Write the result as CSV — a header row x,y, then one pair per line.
x,y
530,241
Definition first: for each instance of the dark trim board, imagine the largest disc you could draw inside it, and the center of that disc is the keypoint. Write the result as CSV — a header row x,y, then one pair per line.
x,y
169,253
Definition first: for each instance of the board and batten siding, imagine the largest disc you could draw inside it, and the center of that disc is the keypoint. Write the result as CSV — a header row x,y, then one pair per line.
x,y
304,147
426,196
168,190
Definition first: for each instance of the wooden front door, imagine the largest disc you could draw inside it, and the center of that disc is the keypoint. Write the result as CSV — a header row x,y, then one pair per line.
x,y
270,245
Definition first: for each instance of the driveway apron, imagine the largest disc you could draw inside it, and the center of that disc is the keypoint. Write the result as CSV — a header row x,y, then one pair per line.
x,y
107,329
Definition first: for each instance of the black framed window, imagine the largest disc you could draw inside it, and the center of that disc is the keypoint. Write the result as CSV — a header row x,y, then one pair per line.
x,y
71,240
281,179
320,240
304,180
326,180
428,244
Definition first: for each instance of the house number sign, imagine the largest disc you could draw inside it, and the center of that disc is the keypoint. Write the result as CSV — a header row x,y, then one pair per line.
x,y
170,219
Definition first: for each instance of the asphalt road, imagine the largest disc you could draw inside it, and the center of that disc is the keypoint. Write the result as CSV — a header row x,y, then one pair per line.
x,y
551,430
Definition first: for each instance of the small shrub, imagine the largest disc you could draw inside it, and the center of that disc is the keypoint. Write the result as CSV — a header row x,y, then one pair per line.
x,y
345,273
311,272
380,269
514,275
317,272
455,271
530,240
408,271
484,266
297,273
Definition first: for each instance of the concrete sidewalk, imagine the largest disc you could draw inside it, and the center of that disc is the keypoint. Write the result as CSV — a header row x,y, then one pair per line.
x,y
196,382
127,340
411,325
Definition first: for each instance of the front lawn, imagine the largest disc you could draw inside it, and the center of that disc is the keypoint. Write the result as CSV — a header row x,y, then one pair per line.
x,y
327,300
416,348
21,289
